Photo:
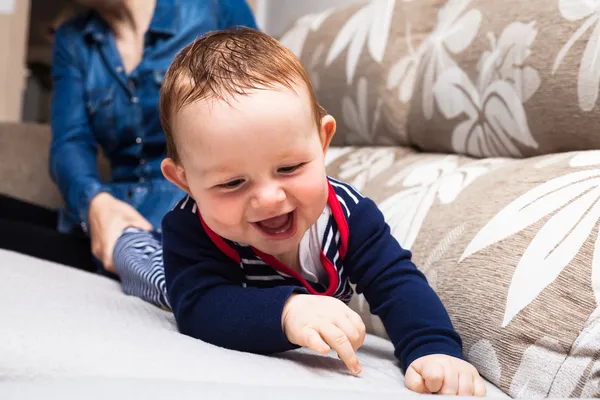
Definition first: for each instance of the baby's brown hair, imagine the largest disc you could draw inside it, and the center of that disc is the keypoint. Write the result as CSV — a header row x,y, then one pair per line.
x,y
224,63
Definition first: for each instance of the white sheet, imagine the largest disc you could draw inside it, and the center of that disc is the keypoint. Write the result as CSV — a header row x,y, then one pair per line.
x,y
60,323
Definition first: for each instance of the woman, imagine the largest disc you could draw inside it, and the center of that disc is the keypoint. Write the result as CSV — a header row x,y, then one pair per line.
x,y
107,70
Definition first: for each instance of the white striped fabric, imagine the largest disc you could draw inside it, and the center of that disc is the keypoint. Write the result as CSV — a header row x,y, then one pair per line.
x,y
138,259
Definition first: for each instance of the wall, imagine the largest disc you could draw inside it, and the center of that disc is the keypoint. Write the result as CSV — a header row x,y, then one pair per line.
x,y
13,39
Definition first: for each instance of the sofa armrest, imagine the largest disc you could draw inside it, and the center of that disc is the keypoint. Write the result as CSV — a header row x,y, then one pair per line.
x,y
24,168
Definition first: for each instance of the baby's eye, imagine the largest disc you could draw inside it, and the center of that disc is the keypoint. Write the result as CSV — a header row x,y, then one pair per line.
x,y
290,169
232,184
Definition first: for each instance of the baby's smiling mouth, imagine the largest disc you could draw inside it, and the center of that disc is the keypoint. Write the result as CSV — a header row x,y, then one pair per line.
x,y
280,227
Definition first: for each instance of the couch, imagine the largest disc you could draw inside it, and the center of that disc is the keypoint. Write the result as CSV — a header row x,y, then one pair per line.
x,y
73,334
472,123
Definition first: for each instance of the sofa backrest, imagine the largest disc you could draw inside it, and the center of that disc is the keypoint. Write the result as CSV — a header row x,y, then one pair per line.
x,y
479,77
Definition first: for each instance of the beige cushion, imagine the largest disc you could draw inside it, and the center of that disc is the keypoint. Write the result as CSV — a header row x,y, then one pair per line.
x,y
485,78
511,248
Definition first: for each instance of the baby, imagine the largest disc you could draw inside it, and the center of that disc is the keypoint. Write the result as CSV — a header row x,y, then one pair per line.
x,y
260,255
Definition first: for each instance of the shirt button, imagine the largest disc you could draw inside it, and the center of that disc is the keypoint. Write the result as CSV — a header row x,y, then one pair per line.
x,y
138,140
142,162
119,69
132,86
135,100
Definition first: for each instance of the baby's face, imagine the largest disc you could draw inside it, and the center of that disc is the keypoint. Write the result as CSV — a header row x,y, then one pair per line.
x,y
255,166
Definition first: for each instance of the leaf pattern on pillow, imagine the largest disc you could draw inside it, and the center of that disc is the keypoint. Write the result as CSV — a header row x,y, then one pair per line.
x,y
365,164
581,362
355,112
495,116
507,60
420,185
571,205
483,357
370,25
455,31
537,369
295,38
589,67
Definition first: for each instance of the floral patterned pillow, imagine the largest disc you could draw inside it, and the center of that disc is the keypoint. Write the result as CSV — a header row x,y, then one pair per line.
x,y
511,247
349,53
479,77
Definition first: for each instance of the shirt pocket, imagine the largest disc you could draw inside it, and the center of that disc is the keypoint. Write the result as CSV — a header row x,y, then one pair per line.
x,y
100,105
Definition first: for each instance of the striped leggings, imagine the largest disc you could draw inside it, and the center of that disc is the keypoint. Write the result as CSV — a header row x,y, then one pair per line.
x,y
138,259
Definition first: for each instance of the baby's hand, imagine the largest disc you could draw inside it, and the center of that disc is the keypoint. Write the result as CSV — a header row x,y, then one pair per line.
x,y
318,322
443,374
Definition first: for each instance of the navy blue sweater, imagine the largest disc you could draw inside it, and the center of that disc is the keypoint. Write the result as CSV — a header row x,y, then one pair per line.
x,y
232,295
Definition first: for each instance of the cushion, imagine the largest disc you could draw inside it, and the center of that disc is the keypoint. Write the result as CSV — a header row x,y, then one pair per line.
x,y
348,53
511,247
477,77
69,328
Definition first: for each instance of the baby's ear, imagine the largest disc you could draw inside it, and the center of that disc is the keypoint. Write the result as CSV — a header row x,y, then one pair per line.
x,y
327,131
175,174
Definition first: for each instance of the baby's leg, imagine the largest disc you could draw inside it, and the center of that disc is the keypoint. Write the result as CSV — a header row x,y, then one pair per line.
x,y
139,261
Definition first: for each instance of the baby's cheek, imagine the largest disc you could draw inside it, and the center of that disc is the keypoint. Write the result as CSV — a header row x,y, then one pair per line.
x,y
222,215
312,194
319,190
313,183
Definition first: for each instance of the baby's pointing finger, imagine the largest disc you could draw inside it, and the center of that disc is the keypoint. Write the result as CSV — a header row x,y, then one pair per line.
x,y
315,342
337,339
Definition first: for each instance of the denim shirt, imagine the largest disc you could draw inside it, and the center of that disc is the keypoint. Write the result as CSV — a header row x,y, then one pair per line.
x,y
97,104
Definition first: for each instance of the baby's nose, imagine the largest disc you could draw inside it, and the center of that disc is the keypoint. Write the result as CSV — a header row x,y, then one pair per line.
x,y
268,196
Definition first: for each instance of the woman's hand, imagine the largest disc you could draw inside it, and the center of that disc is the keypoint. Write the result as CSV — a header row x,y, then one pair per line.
x,y
108,218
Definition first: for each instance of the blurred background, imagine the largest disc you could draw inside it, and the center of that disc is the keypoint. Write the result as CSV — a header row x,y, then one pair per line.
x,y
26,31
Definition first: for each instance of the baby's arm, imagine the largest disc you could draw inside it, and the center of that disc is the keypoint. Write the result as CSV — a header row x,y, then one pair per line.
x,y
413,315
206,293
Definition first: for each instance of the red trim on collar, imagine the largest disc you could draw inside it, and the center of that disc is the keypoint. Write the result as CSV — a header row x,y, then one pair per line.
x,y
332,274
219,242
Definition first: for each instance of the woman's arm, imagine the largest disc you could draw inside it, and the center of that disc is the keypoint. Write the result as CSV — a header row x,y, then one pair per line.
x,y
73,161
74,148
